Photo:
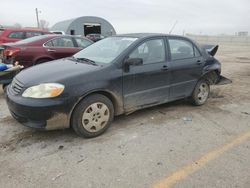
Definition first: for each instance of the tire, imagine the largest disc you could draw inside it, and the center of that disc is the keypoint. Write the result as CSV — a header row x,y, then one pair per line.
x,y
200,93
92,116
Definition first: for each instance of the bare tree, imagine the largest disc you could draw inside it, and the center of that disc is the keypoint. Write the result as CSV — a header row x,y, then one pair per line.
x,y
17,25
44,24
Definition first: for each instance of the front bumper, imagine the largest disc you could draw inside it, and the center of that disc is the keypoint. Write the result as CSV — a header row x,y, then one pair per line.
x,y
46,114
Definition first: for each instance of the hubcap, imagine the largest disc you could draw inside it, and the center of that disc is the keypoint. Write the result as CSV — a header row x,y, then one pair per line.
x,y
95,117
203,93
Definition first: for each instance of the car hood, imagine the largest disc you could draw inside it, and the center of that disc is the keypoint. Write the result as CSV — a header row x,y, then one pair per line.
x,y
61,71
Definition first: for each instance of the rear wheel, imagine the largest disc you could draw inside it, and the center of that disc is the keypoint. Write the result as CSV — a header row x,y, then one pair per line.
x,y
200,93
92,116
41,61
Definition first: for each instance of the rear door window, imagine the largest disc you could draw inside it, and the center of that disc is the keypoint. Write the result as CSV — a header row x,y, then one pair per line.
x,y
181,49
63,42
16,35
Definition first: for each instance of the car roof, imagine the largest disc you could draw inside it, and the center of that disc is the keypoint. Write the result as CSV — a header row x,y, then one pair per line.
x,y
24,29
43,39
52,35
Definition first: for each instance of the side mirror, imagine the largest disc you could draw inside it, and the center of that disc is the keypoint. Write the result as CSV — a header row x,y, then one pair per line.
x,y
132,61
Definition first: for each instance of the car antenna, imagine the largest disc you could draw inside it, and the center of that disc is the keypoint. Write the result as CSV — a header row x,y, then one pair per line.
x,y
173,27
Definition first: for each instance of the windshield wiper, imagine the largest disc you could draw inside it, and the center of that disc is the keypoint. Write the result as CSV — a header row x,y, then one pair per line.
x,y
82,59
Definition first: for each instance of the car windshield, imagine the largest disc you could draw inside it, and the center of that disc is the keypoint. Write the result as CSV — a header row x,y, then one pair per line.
x,y
32,39
106,50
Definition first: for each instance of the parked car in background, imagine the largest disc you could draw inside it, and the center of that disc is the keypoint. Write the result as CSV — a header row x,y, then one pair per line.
x,y
41,49
95,37
14,35
80,92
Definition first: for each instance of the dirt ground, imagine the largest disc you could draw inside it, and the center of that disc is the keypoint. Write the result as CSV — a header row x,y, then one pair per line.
x,y
175,144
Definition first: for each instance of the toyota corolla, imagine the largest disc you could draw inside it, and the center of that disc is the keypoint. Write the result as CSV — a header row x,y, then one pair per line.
x,y
114,76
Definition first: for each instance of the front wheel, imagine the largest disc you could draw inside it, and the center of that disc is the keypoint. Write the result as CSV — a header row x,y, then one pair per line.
x,y
200,93
92,116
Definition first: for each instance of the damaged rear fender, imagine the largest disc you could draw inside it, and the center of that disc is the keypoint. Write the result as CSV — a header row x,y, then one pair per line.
x,y
211,72
223,81
214,78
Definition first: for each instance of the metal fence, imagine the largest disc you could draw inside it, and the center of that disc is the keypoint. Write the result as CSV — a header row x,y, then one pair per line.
x,y
239,40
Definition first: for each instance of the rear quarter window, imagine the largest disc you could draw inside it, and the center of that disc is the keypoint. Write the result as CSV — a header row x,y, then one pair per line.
x,y
49,44
63,42
196,52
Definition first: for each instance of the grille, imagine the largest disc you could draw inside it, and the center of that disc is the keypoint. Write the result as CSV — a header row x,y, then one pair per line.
x,y
16,86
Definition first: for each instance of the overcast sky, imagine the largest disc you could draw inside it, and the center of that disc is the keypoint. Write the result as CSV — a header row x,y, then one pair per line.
x,y
193,16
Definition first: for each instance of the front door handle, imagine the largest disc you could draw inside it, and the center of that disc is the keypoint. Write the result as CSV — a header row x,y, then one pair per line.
x,y
164,68
51,50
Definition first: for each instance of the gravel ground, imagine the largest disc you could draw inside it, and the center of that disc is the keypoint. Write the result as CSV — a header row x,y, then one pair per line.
x,y
174,144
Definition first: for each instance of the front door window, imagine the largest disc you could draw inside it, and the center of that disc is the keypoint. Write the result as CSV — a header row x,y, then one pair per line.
x,y
151,51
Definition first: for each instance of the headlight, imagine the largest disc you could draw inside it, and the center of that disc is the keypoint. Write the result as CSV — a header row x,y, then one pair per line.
x,y
46,90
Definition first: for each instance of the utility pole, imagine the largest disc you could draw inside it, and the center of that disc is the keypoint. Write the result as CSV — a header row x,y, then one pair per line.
x,y
37,19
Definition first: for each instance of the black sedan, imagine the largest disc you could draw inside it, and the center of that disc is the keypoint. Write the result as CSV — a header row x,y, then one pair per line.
x,y
117,75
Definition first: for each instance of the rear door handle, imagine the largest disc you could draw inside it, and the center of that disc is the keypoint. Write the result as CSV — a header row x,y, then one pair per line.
x,y
199,62
164,68
51,50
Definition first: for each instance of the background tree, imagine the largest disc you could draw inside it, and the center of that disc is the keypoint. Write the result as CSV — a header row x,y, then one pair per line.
x,y
44,24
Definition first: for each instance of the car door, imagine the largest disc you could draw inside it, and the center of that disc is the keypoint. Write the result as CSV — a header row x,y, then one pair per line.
x,y
147,84
185,66
61,47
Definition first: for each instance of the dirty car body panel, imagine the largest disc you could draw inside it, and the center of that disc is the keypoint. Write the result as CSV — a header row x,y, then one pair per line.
x,y
157,78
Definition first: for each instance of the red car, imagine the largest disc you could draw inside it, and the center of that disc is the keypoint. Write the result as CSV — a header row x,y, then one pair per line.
x,y
14,35
39,49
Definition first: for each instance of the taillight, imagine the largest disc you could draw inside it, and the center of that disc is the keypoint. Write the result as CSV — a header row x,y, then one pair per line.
x,y
11,52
